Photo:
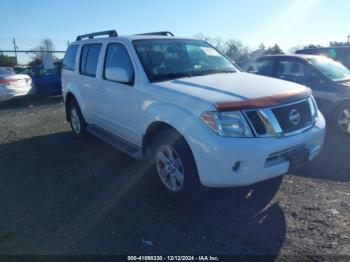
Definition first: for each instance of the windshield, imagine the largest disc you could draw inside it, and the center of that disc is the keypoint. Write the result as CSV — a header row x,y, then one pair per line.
x,y
331,69
165,59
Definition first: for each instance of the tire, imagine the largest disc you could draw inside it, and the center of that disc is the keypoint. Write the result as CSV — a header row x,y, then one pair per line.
x,y
168,145
76,120
341,119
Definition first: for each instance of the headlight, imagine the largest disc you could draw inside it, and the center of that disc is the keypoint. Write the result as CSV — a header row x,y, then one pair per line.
x,y
231,124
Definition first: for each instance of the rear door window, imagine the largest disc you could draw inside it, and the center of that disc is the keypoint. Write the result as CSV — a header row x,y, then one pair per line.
x,y
89,59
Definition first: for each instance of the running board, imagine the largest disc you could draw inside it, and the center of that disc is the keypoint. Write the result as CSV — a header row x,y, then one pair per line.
x,y
116,141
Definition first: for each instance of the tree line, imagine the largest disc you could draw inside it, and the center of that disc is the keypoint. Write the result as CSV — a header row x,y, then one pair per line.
x,y
233,48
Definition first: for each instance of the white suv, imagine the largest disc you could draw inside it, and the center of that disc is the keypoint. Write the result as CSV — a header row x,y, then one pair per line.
x,y
185,107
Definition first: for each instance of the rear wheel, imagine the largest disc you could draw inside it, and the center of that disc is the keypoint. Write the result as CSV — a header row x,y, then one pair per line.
x,y
173,166
76,119
341,118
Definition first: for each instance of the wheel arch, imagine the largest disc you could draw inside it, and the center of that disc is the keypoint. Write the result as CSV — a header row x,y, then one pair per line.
x,y
69,98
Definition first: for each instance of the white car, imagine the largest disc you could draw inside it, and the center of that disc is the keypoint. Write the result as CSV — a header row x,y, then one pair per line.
x,y
12,85
186,108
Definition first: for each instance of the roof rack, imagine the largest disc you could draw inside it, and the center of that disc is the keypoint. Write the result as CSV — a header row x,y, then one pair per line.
x,y
110,33
164,33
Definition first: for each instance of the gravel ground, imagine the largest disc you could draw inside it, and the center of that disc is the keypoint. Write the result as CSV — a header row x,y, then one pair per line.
x,y
60,195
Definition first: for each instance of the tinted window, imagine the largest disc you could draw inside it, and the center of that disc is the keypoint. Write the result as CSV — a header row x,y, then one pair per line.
x,y
291,70
89,59
296,71
262,67
69,58
49,72
117,56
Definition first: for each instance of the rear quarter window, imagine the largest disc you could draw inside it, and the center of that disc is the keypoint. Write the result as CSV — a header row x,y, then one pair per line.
x,y
69,58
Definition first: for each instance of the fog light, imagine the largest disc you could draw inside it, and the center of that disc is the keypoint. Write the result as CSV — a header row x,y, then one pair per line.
x,y
236,166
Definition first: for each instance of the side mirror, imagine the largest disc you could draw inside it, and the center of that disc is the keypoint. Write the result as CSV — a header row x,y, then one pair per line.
x,y
118,74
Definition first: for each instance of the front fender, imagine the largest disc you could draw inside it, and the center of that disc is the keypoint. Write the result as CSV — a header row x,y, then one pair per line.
x,y
184,120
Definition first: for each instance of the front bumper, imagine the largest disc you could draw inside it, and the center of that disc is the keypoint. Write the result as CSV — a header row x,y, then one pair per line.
x,y
8,92
215,156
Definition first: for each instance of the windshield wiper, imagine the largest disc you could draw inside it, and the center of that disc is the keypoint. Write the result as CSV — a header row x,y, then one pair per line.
x,y
171,76
213,71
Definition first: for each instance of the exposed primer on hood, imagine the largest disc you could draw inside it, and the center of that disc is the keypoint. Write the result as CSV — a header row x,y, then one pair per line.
x,y
267,101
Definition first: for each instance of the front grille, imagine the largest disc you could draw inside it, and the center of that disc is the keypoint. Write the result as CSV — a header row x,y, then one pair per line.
x,y
281,120
282,115
257,123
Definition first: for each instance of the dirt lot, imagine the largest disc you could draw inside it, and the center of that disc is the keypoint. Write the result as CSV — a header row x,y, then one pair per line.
x,y
60,195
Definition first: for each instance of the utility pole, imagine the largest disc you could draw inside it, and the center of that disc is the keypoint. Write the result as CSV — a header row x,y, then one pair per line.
x,y
15,47
348,39
68,43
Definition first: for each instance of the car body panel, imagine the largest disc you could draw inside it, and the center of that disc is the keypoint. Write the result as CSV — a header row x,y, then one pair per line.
x,y
19,85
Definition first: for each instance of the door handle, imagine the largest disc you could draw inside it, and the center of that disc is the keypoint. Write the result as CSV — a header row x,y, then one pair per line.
x,y
102,89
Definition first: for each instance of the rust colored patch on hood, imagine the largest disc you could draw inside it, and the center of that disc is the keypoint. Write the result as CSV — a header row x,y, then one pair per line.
x,y
267,101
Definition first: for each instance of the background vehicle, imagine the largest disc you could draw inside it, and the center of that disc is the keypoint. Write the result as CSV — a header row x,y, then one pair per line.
x,y
188,110
12,85
47,81
329,81
26,70
338,53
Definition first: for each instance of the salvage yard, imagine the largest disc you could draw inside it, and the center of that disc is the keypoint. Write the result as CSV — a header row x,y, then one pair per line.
x,y
62,195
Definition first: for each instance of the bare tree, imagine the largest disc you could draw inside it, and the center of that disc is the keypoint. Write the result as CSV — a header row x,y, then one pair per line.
x,y
45,48
237,51
217,42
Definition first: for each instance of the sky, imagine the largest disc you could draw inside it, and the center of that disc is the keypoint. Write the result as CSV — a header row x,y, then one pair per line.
x,y
288,23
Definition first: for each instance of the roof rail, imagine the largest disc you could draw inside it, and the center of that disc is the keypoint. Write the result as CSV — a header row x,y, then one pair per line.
x,y
165,33
110,33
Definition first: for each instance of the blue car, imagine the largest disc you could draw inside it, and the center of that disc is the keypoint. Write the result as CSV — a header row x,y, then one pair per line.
x,y
328,79
47,81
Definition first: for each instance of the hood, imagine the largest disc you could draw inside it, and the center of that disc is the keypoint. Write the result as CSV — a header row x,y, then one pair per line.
x,y
232,87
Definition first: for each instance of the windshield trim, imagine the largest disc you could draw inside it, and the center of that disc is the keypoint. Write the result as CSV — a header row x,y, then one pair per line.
x,y
181,74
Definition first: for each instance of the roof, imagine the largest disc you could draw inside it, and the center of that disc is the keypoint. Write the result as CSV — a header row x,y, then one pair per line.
x,y
112,34
128,38
325,48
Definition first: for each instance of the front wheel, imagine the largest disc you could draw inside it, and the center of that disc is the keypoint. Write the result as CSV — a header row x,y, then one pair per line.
x,y
341,118
174,166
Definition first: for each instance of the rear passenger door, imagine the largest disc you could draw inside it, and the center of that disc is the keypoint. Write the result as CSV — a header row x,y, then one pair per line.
x,y
89,58
118,104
